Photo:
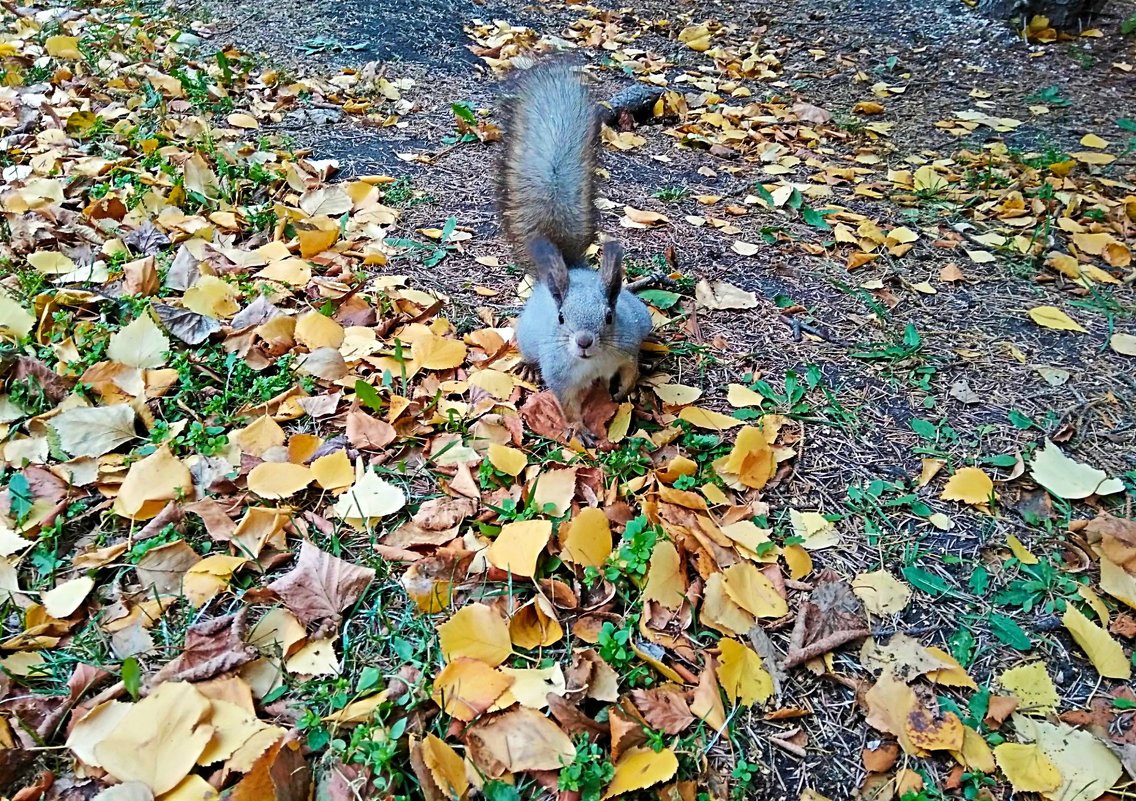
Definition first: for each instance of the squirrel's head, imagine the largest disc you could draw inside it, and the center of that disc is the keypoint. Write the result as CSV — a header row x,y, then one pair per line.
x,y
585,300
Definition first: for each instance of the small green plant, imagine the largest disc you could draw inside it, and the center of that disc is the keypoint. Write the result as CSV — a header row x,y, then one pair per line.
x,y
465,119
589,774
902,358
671,194
634,552
1050,96
402,194
744,774
430,254
1043,587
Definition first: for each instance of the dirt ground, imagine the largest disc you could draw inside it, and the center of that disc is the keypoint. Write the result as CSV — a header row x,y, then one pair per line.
x,y
830,55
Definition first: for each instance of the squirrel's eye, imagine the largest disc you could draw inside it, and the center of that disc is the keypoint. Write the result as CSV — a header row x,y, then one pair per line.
x,y
607,319
560,317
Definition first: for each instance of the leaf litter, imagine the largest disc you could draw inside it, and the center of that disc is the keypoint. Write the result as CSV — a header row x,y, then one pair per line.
x,y
229,337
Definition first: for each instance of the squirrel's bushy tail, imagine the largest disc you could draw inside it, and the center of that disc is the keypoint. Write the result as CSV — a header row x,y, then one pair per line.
x,y
547,186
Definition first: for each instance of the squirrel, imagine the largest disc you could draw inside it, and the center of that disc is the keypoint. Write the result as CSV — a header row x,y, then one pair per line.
x,y
579,325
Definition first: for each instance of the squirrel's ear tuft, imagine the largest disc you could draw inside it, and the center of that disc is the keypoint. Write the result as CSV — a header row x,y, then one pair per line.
x,y
550,267
611,269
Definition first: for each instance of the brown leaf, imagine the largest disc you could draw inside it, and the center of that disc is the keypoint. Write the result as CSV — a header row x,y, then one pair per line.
x,y
55,387
280,774
163,568
188,326
831,617
211,648
368,433
321,585
665,708
881,758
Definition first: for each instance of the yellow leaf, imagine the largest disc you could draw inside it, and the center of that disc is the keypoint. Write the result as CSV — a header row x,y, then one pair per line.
x,y
969,485
508,460
677,394
531,686
64,47
211,296
745,248
719,611
587,541
751,459
333,471
15,321
1053,317
1020,551
275,480
158,740
816,531
478,632
1117,581
719,295
638,218
534,625
498,384
259,436
315,330
620,423
975,754
1087,767
743,678
705,418
741,397
554,491
1106,653
1027,768
316,658
140,344
151,483
316,235
639,768
696,37
706,702
519,545
665,577
798,560
204,580
881,593
752,591
1033,687
433,352
64,599
467,687
1070,479
1092,140
445,766
903,235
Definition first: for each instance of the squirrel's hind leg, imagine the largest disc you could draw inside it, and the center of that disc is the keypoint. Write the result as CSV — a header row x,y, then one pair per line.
x,y
627,376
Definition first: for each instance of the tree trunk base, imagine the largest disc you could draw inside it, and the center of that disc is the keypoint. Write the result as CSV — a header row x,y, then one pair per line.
x,y
1062,14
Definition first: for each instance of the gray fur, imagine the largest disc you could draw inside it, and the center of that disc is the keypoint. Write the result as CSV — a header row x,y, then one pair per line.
x,y
549,343
548,173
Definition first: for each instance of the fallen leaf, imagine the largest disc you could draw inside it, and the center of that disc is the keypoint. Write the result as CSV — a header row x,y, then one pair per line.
x,y
1027,768
740,671
881,593
157,740
523,739
519,545
508,460
1124,344
639,768
65,598
321,586
586,539
1103,651
1031,685
1053,317
478,632
969,485
720,295
140,344
1070,479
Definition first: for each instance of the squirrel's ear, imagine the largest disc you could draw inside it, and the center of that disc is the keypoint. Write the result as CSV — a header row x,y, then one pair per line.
x,y
611,269
550,267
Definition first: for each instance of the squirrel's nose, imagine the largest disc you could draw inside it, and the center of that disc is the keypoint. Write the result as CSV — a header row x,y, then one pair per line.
x,y
584,341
